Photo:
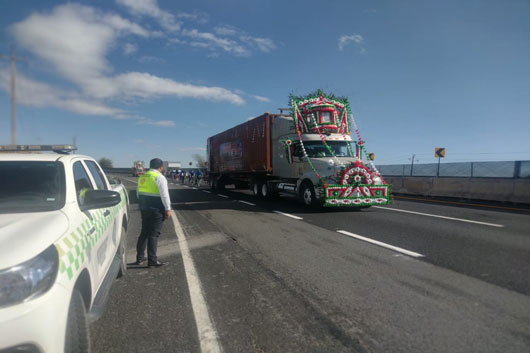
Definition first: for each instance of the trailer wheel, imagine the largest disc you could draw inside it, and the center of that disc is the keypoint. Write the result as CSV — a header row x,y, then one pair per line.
x,y
307,194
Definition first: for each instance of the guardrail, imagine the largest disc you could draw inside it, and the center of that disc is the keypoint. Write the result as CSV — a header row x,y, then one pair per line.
x,y
504,169
486,189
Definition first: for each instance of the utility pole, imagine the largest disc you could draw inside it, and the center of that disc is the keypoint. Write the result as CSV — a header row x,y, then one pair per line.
x,y
12,58
412,164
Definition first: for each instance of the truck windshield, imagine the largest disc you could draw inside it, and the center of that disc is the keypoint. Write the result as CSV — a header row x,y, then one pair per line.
x,y
317,149
28,186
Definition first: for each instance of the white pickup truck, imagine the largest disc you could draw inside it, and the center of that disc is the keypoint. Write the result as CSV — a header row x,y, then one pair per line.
x,y
62,244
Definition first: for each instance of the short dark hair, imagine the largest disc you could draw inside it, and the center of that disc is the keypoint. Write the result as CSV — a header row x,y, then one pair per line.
x,y
155,163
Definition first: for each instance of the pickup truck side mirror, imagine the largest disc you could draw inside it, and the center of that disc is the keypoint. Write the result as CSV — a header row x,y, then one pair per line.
x,y
99,199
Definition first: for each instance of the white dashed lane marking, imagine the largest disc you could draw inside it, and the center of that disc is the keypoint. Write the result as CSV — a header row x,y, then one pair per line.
x,y
384,245
288,215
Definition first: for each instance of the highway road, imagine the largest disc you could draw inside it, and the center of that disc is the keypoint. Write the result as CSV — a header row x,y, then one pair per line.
x,y
249,275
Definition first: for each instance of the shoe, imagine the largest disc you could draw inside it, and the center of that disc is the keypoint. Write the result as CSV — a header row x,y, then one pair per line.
x,y
157,264
136,263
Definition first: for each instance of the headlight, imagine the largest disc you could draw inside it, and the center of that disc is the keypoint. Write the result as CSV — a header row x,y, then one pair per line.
x,y
29,279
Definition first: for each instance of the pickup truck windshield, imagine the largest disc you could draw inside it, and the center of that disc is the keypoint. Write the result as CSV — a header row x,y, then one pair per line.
x,y
317,149
28,186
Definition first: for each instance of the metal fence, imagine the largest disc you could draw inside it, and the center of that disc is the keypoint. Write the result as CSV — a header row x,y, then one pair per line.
x,y
509,169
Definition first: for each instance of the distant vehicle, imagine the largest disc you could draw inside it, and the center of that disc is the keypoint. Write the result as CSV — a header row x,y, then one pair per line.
x,y
138,168
62,244
308,153
169,166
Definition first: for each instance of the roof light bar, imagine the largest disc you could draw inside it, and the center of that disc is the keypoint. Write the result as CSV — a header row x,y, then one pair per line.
x,y
40,148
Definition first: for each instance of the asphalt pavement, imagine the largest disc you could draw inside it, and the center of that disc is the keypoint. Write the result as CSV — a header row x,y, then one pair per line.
x,y
276,277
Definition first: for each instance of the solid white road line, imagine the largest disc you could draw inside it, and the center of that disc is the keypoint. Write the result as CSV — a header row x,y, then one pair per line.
x,y
226,197
248,203
207,334
288,215
444,217
384,245
206,191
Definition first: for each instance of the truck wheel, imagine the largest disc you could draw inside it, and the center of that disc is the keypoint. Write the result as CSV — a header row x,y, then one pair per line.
x,y
264,190
77,338
256,189
307,194
122,252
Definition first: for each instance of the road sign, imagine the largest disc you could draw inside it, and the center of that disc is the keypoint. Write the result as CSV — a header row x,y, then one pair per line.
x,y
439,152
370,156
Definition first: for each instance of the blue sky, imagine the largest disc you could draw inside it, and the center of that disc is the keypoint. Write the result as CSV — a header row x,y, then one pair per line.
x,y
137,79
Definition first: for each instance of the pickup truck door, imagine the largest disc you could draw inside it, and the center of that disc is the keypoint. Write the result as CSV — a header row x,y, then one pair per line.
x,y
110,214
97,223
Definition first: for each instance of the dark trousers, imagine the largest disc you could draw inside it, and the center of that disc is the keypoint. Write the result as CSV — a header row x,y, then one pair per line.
x,y
151,226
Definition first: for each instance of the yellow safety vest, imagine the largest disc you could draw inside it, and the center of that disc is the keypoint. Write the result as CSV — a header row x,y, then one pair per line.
x,y
147,184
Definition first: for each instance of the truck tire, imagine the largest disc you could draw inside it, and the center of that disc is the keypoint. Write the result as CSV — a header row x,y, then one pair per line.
x,y
260,189
77,338
256,189
307,194
122,252
264,190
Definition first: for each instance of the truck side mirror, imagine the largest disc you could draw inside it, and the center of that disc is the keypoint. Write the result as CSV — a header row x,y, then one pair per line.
x,y
100,199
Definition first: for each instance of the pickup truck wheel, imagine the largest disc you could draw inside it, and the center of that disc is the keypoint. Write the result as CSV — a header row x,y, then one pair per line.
x,y
77,338
307,194
122,252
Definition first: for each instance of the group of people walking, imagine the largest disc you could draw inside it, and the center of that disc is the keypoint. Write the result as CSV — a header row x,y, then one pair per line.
x,y
193,177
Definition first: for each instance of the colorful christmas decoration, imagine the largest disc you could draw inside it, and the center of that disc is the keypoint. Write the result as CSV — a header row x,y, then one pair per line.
x,y
288,149
355,184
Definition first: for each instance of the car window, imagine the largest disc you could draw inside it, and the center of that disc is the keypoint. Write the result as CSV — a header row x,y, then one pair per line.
x,y
31,186
82,182
96,175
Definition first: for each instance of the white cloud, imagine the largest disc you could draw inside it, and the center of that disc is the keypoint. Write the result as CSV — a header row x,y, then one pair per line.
x,y
75,40
38,94
150,8
129,48
211,41
345,40
159,123
262,99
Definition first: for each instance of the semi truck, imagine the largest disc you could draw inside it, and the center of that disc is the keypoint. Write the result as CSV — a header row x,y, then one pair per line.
x,y
308,152
138,168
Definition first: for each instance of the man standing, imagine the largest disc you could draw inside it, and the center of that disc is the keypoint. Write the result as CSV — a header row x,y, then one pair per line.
x,y
155,207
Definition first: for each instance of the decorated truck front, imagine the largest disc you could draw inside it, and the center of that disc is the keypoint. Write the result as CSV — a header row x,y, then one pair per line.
x,y
335,174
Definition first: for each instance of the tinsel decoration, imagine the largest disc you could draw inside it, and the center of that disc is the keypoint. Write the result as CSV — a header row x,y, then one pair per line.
x,y
288,149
